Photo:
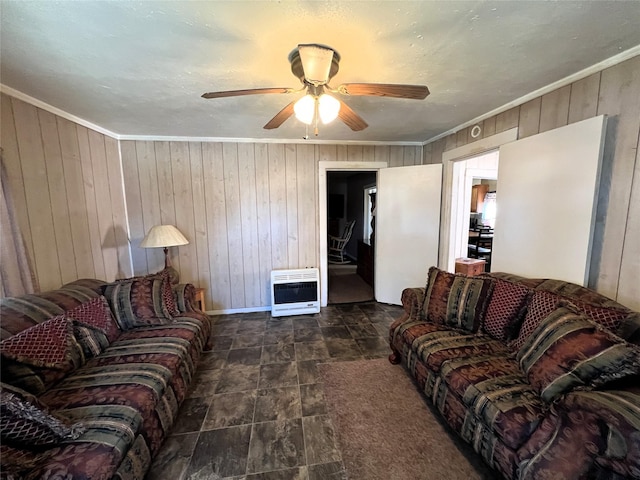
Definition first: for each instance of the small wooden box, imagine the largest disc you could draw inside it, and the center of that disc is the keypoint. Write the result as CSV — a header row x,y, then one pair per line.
x,y
470,266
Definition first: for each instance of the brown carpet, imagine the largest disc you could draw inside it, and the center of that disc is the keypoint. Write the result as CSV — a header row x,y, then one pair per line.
x,y
387,430
348,287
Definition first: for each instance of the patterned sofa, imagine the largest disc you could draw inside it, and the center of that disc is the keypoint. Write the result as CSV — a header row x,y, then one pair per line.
x,y
541,377
93,375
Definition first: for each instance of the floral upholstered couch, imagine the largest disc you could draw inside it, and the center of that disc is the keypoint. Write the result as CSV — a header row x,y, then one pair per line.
x,y
541,377
93,375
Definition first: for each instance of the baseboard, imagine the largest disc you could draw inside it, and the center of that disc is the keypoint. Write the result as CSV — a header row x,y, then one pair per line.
x,y
231,311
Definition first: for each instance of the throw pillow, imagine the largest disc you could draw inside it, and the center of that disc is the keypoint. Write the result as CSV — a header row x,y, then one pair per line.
x,y
141,301
96,313
25,422
541,305
608,317
40,356
49,344
168,295
505,308
567,350
543,302
92,340
456,300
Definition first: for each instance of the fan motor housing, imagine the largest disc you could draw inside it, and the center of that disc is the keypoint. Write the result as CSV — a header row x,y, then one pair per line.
x,y
296,63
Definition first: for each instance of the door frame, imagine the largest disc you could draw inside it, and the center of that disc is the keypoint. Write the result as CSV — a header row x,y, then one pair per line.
x,y
460,215
323,168
452,193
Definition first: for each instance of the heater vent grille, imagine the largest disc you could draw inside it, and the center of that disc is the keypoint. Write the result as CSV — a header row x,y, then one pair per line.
x,y
285,276
295,292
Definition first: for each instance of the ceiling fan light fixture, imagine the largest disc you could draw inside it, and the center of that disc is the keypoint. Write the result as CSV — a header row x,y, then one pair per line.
x,y
305,109
328,108
316,63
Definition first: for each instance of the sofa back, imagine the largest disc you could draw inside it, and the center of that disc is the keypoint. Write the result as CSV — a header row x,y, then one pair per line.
x,y
19,313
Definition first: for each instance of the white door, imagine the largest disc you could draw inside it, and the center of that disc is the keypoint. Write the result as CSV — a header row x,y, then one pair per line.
x,y
547,192
407,228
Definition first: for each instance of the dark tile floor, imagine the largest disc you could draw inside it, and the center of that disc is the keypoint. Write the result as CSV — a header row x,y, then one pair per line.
x,y
256,409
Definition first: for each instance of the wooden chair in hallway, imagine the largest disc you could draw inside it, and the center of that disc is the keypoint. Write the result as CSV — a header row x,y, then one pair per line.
x,y
337,245
481,244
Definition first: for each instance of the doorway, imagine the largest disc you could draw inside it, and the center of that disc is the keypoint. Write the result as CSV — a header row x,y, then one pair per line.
x,y
451,224
474,213
345,169
350,252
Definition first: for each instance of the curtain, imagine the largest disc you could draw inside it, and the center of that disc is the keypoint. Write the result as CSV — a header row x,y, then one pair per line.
x,y
16,273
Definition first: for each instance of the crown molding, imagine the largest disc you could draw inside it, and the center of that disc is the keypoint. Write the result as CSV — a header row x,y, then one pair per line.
x,y
56,111
163,138
609,62
166,138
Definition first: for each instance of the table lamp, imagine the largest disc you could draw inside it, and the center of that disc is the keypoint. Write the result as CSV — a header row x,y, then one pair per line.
x,y
165,236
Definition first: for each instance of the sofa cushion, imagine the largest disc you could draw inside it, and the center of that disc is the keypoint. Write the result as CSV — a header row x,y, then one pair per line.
x,y
410,331
497,395
175,347
141,301
567,350
456,300
629,329
438,347
110,435
96,313
35,380
506,306
141,386
147,368
25,422
481,437
18,462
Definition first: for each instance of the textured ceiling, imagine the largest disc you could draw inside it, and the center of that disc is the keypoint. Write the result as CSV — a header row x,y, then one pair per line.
x,y
139,68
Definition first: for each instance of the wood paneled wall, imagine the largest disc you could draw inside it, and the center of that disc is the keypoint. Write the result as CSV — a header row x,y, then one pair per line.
x,y
246,208
66,182
614,92
85,202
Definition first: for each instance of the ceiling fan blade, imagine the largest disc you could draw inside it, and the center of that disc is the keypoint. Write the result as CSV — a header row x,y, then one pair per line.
x,y
354,121
250,91
280,117
417,92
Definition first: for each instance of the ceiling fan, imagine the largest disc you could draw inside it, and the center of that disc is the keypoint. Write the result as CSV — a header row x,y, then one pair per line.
x,y
314,65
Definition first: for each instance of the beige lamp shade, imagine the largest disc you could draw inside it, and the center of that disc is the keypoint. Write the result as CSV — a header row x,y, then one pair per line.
x,y
163,236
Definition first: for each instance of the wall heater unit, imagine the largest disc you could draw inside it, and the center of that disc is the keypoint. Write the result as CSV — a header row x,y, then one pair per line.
x,y
295,292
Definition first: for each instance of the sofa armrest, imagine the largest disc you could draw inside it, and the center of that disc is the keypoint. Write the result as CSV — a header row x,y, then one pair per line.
x,y
412,299
412,304
597,435
185,295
